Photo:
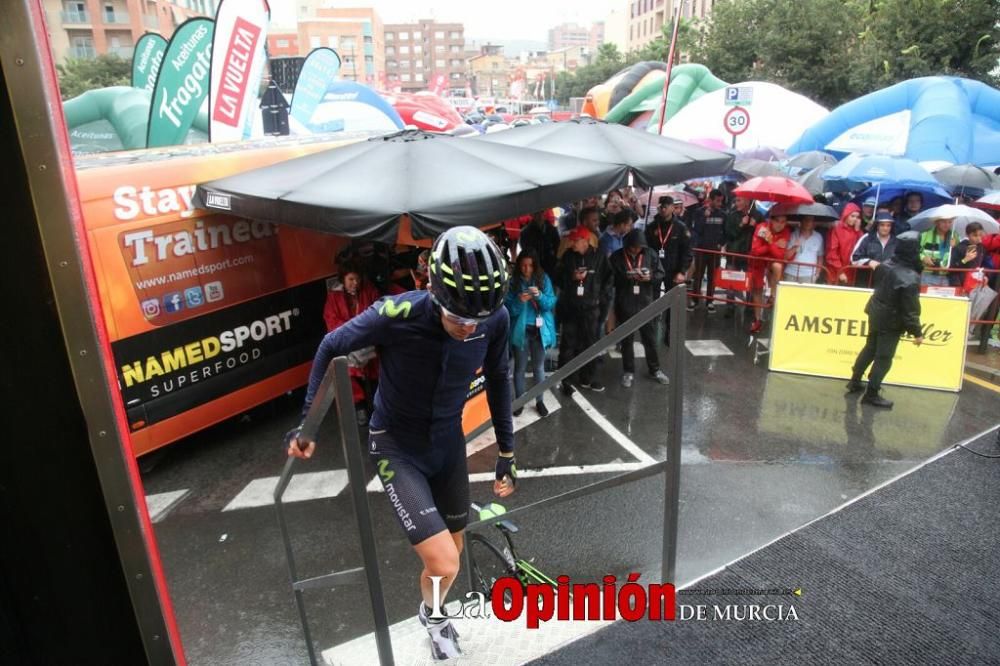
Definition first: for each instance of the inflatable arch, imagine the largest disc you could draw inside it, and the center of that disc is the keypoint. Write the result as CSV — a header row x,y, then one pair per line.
x,y
688,82
937,118
114,118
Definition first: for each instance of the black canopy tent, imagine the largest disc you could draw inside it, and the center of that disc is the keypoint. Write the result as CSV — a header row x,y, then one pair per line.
x,y
651,159
364,189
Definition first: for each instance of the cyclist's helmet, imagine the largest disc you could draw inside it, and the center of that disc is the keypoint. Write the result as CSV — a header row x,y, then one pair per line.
x,y
468,275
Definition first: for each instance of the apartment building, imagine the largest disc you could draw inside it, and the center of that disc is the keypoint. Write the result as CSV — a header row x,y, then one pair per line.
x,y
489,72
647,17
417,52
356,34
88,28
568,35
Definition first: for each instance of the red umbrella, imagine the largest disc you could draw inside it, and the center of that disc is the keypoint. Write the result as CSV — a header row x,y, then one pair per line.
x,y
774,188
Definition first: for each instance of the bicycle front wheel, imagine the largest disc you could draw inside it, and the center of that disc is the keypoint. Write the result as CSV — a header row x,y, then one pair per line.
x,y
489,564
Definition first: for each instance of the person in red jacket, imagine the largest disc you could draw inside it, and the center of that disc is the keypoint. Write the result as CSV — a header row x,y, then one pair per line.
x,y
770,240
840,245
991,244
345,304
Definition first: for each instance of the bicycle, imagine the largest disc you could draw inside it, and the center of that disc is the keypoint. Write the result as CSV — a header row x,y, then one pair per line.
x,y
488,563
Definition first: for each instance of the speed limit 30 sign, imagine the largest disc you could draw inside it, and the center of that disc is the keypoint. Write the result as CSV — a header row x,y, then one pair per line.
x,y
736,120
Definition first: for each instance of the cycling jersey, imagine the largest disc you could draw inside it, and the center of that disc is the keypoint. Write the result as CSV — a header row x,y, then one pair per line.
x,y
424,373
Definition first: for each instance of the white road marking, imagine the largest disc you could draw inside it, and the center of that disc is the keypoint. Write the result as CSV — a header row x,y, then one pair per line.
x,y
527,417
707,348
302,487
484,640
160,504
613,432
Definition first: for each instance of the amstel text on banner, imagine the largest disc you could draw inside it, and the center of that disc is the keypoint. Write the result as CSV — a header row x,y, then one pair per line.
x,y
819,330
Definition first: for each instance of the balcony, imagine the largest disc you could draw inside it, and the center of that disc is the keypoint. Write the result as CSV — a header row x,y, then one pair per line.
x,y
114,18
75,18
151,21
82,52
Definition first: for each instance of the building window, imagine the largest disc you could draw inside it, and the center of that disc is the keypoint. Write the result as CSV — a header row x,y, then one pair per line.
x,y
404,64
404,35
390,50
404,77
456,63
417,48
389,36
454,34
331,41
391,64
314,42
282,43
418,77
439,34
416,35
369,60
439,48
347,43
455,48
418,64
456,75
367,39
404,50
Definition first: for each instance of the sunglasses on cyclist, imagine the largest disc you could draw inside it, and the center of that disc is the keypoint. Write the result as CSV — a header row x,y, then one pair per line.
x,y
461,321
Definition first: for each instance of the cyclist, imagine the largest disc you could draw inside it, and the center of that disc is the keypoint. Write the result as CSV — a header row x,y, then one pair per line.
x,y
431,345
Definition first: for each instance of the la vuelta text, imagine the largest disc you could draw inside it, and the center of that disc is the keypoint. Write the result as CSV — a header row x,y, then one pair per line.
x,y
582,601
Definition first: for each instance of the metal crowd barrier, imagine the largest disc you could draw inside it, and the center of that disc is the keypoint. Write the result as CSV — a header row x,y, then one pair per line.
x,y
336,384
751,261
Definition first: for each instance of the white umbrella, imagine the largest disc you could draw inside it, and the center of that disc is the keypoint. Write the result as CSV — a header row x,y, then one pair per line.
x,y
990,201
962,215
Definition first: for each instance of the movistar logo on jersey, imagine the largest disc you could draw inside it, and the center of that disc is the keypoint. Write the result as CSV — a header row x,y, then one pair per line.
x,y
383,469
391,308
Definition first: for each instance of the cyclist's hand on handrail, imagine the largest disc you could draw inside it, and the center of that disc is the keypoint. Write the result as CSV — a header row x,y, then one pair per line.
x,y
506,476
298,448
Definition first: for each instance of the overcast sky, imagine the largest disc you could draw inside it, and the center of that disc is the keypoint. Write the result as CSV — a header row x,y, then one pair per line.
x,y
496,19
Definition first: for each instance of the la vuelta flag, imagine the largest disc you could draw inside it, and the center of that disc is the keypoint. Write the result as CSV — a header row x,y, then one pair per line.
x,y
146,60
237,64
438,83
182,84
318,72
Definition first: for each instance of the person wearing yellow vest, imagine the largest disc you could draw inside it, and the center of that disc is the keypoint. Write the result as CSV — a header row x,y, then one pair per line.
x,y
935,252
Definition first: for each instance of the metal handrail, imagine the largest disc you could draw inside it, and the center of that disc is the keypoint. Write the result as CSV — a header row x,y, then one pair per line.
x,y
338,379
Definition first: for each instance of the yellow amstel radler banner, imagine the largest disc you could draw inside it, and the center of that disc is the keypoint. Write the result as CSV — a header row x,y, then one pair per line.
x,y
819,330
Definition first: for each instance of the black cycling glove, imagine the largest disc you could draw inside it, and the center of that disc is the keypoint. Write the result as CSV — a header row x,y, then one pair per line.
x,y
507,467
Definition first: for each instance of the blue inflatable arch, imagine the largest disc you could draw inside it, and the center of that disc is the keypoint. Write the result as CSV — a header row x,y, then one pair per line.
x,y
951,119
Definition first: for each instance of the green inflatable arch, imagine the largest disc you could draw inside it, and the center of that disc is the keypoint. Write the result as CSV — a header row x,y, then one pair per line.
x,y
125,109
688,82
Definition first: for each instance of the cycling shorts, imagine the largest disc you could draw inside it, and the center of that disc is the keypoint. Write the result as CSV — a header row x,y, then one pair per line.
x,y
427,484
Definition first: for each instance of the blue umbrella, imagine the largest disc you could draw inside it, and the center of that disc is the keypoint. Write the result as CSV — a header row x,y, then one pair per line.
x,y
934,195
880,169
884,172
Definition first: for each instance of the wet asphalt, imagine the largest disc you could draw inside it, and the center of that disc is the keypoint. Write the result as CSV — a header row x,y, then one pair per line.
x,y
763,453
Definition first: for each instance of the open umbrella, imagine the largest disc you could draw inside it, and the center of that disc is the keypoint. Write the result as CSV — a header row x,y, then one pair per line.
x,y
813,181
774,188
934,195
363,190
880,169
652,159
962,215
751,167
810,159
821,212
962,177
764,153
990,201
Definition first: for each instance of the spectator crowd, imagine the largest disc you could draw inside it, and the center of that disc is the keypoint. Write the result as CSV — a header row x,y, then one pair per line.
x,y
576,277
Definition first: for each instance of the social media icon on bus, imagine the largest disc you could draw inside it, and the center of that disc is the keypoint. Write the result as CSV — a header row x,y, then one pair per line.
x,y
151,308
194,297
173,302
213,292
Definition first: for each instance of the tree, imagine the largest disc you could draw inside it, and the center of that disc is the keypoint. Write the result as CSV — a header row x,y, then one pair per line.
x,y
77,76
904,39
730,44
816,56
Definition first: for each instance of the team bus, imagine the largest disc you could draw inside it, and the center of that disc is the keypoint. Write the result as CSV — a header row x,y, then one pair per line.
x,y
208,314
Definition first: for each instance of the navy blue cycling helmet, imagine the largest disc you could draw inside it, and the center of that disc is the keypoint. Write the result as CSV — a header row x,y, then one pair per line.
x,y
468,275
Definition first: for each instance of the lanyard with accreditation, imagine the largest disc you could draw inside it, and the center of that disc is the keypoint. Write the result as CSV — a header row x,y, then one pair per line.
x,y
634,269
